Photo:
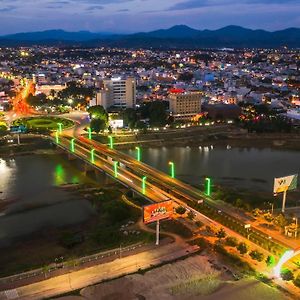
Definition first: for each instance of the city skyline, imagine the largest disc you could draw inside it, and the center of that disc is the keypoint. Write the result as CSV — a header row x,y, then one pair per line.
x,y
145,15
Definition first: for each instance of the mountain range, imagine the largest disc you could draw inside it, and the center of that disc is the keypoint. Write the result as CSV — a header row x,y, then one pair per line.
x,y
179,36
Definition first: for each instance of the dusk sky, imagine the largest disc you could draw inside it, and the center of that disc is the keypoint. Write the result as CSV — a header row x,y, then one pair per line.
x,y
126,16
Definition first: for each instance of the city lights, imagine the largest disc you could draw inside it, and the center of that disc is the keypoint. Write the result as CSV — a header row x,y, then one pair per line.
x,y
144,185
89,132
116,169
60,126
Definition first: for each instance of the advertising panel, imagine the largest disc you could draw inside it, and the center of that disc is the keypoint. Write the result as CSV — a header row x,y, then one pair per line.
x,y
158,211
284,184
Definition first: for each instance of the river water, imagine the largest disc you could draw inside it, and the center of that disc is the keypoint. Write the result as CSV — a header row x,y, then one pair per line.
x,y
242,168
31,183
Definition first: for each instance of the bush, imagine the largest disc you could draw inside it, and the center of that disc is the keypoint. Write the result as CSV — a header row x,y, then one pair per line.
x,y
231,241
256,255
287,275
180,210
297,281
221,234
242,248
270,261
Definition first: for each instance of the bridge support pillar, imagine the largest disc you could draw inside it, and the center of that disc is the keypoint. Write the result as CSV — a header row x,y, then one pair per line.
x,y
88,168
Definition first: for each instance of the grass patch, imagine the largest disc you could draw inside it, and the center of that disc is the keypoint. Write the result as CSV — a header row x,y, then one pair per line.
x,y
43,123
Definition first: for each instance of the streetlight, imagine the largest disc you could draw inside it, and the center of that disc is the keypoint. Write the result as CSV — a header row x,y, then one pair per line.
x,y
111,142
93,156
116,168
138,153
60,125
296,222
72,146
144,185
57,137
172,166
207,186
89,129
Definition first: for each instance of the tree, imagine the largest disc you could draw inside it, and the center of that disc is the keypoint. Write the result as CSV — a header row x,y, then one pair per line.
x,y
256,255
97,125
297,281
221,234
156,113
242,248
231,241
180,210
99,118
130,117
191,215
287,275
270,261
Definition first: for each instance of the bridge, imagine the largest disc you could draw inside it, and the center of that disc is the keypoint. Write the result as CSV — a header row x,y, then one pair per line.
x,y
158,186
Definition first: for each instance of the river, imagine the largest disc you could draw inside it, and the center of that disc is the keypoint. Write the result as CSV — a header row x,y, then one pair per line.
x,y
31,183
241,168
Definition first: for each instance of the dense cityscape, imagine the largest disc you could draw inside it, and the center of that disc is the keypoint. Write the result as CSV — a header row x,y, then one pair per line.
x,y
149,172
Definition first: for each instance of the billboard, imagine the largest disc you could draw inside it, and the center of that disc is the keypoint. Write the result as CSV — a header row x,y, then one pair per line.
x,y
158,211
284,184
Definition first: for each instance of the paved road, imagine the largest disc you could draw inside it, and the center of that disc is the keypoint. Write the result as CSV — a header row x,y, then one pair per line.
x,y
89,276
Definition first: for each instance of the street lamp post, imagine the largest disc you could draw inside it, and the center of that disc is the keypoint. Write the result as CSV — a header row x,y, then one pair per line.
x,y
172,166
72,145
111,142
116,168
92,156
57,137
138,153
60,125
89,129
296,222
208,186
144,185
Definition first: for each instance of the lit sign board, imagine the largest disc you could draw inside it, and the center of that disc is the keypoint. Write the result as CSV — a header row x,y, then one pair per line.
x,y
284,184
158,211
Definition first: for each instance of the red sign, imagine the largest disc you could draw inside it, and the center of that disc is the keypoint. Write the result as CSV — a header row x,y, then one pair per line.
x,y
158,211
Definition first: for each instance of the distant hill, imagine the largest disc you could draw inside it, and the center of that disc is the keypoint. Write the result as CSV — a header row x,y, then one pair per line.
x,y
179,36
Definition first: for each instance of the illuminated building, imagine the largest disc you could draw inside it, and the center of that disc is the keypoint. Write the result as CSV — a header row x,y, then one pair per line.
x,y
184,105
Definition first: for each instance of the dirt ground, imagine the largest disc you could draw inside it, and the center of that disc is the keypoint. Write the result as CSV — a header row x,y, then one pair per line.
x,y
192,278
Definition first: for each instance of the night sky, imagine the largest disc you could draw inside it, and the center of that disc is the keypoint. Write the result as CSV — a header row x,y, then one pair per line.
x,y
127,16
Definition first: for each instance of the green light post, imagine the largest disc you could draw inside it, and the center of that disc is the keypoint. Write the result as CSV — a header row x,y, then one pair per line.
x,y
144,185
207,186
172,166
57,137
93,156
111,142
116,168
138,153
72,146
89,129
60,125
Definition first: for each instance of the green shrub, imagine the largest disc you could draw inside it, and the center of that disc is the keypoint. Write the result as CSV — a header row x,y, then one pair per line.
x,y
231,241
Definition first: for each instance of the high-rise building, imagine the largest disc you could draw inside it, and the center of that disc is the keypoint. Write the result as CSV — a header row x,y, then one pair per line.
x,y
184,105
118,92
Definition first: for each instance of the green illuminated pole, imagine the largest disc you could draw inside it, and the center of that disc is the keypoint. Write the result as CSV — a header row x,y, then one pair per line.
x,y
138,153
207,186
72,145
144,185
60,125
116,168
89,132
111,142
57,137
172,169
93,156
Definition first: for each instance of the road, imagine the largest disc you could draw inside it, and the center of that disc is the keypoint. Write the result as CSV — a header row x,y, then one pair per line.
x,y
89,276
